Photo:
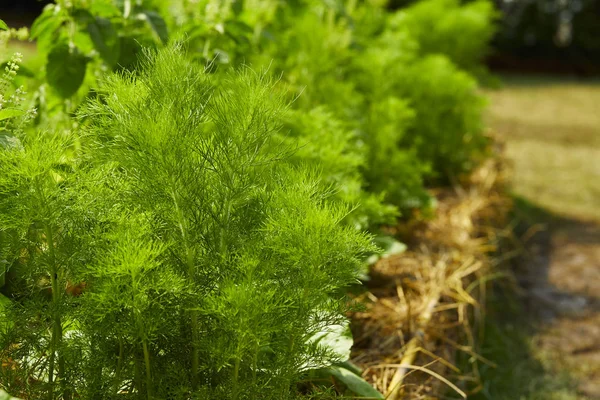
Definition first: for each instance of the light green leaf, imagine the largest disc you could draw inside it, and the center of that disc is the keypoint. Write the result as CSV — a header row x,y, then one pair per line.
x,y
6,396
395,248
130,51
65,69
350,366
390,247
354,383
10,113
3,26
336,338
46,23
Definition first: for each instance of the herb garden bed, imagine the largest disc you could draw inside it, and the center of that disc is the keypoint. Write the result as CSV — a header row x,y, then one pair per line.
x,y
189,193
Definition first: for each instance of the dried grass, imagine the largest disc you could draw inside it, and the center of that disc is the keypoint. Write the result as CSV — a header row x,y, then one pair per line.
x,y
427,304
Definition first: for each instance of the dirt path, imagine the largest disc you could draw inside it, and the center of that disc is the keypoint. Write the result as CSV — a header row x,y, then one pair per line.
x,y
562,287
552,131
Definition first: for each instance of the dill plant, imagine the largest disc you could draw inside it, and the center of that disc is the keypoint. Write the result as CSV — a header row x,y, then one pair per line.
x,y
36,220
327,144
211,261
438,114
255,239
448,130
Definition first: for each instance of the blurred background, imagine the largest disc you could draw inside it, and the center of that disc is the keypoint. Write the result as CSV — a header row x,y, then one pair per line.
x,y
548,36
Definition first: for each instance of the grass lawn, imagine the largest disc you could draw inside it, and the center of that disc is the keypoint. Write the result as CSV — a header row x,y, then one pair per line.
x,y
552,129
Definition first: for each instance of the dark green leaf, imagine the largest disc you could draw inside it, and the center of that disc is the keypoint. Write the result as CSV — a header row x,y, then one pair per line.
x,y
130,50
65,69
157,24
106,39
239,32
354,383
237,7
82,16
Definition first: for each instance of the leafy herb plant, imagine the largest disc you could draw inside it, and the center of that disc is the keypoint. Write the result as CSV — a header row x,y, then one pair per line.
x,y
209,261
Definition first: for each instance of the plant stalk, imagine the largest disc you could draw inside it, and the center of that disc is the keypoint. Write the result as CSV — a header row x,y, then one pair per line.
x,y
236,372
191,274
148,371
119,366
56,320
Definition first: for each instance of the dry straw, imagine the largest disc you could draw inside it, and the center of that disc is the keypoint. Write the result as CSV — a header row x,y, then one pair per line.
x,y
427,304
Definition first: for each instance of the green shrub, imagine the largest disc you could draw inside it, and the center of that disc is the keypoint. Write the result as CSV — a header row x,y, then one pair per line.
x,y
327,146
357,87
391,168
311,52
462,32
448,129
209,262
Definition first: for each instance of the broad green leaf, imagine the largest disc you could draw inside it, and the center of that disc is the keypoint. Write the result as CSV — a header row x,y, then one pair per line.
x,y
350,366
237,7
3,26
106,39
82,16
239,32
130,49
104,8
390,247
65,69
354,383
157,25
10,113
336,338
4,301
83,42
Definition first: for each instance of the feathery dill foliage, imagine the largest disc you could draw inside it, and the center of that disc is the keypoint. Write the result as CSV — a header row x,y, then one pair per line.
x,y
326,144
462,31
210,260
351,94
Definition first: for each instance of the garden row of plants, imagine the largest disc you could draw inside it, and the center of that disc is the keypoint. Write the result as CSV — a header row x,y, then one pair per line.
x,y
188,189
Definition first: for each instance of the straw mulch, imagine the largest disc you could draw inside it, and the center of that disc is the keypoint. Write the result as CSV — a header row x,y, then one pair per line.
x,y
424,308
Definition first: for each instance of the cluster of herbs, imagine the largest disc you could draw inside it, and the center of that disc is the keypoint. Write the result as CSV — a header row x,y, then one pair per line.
x,y
186,188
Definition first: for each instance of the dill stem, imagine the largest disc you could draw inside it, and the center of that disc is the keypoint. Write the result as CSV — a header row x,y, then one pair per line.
x,y
56,322
189,254
119,366
255,364
236,372
148,372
